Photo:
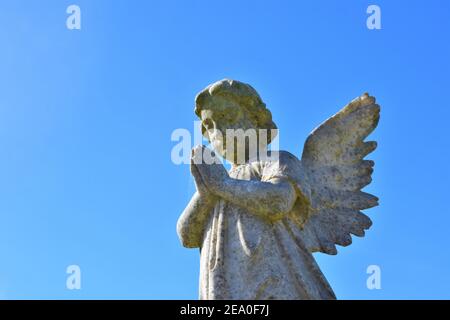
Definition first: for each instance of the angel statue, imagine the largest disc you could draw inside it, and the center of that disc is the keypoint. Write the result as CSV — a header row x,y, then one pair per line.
x,y
258,224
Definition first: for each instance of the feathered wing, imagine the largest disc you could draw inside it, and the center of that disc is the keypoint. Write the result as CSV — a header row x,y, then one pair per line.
x,y
333,163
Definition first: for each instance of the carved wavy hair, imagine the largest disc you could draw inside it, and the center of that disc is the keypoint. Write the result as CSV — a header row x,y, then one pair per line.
x,y
244,95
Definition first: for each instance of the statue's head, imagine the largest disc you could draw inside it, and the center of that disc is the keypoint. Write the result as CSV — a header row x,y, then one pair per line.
x,y
227,106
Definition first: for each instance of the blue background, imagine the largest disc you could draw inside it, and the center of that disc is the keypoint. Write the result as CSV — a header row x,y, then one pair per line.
x,y
86,117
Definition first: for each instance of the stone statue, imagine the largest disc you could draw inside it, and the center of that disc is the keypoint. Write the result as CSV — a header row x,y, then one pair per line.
x,y
258,224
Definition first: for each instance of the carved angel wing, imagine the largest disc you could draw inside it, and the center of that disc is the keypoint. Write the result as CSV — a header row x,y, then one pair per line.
x,y
333,161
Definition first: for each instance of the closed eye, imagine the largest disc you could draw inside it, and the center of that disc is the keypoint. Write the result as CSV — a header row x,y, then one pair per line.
x,y
208,124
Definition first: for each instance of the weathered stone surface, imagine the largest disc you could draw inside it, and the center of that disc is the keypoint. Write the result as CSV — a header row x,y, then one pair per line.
x,y
258,224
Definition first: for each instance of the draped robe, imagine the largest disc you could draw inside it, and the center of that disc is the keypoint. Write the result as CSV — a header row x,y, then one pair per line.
x,y
247,256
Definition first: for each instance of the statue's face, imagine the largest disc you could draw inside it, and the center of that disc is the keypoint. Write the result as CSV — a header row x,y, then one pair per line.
x,y
220,114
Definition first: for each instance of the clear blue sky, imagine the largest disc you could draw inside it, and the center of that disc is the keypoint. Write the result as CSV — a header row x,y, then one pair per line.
x,y
86,118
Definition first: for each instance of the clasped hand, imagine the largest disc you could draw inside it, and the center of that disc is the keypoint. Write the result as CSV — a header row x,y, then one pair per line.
x,y
209,178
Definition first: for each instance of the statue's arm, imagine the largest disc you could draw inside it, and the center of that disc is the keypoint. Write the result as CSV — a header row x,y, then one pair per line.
x,y
269,199
191,224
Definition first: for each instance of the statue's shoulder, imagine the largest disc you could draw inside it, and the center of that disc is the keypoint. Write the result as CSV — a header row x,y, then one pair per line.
x,y
287,156
281,163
